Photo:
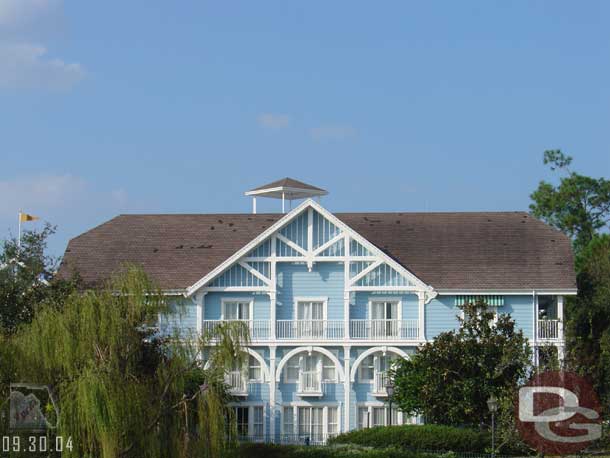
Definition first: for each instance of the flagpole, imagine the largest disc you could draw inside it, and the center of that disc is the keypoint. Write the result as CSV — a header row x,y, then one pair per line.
x,y
19,239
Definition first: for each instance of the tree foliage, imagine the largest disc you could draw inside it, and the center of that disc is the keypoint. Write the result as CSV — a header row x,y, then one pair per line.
x,y
450,379
579,206
26,278
123,390
588,326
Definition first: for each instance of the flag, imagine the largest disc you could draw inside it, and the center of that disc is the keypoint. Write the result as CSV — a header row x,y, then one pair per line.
x,y
23,217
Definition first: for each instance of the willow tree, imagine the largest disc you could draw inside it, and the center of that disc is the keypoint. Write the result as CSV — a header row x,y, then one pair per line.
x,y
122,389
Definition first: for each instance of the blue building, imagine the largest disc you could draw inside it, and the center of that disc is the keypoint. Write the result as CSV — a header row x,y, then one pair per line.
x,y
332,299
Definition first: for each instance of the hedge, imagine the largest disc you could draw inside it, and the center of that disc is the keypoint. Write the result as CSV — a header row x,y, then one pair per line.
x,y
249,450
419,437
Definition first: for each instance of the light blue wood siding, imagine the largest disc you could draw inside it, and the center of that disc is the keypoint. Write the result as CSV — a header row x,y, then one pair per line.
x,y
521,309
212,307
359,308
441,315
325,280
183,319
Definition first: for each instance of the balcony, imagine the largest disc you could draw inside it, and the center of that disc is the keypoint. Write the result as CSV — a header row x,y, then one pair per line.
x,y
326,330
310,383
380,381
259,329
238,385
310,329
384,329
548,330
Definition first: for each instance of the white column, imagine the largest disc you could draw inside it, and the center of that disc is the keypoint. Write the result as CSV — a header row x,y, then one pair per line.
x,y
272,313
346,386
560,317
283,204
200,299
272,408
346,291
254,205
421,315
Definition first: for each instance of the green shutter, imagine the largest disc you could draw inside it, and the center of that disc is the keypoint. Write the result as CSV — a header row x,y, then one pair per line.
x,y
491,301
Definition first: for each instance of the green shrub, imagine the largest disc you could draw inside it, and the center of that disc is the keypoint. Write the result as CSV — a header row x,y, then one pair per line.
x,y
331,451
419,437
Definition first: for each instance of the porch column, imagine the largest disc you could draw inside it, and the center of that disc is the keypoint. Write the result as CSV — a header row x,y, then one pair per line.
x,y
347,386
272,408
272,314
200,300
561,346
421,296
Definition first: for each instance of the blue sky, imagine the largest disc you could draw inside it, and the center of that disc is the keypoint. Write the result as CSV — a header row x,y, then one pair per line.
x,y
159,107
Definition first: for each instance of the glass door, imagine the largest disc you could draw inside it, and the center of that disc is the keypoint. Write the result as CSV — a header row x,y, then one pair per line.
x,y
384,319
310,319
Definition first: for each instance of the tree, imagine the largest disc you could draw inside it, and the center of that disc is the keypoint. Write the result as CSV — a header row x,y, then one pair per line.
x,y
123,388
26,278
450,379
579,206
588,326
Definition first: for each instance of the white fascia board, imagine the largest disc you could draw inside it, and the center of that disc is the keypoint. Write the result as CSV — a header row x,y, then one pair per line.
x,y
286,189
420,285
248,247
506,292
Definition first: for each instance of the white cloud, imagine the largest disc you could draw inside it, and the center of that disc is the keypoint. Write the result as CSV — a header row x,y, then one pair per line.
x,y
15,13
332,132
25,65
38,193
273,121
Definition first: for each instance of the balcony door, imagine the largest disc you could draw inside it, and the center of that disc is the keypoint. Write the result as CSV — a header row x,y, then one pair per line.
x,y
310,318
236,310
385,319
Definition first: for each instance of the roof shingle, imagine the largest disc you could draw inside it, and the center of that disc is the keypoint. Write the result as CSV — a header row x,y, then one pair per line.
x,y
450,251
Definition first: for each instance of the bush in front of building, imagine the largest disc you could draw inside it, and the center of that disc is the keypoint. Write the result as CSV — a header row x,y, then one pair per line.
x,y
250,450
419,438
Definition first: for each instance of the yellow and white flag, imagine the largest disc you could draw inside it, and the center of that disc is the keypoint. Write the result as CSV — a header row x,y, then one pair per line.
x,y
23,217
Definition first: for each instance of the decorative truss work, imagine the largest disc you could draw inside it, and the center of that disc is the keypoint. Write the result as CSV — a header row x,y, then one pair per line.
x,y
310,234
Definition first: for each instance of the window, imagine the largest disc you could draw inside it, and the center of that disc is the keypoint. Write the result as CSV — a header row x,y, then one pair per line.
x,y
288,414
371,416
384,310
329,372
367,369
236,310
258,422
310,310
310,364
292,370
547,307
385,316
241,418
333,421
255,372
363,417
311,423
310,315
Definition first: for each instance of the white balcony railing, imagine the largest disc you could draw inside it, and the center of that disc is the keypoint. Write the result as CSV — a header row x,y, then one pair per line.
x,y
310,329
310,383
259,329
384,329
238,385
548,329
380,381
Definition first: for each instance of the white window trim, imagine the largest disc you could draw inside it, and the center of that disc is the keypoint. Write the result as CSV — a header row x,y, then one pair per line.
x,y
396,299
295,415
251,406
369,405
360,378
298,299
225,300
261,379
320,364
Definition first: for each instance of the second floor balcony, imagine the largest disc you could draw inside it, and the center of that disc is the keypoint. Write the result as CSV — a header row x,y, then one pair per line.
x,y
327,330
549,329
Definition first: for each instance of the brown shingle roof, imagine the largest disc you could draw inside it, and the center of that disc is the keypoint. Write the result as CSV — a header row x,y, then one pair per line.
x,y
488,251
288,183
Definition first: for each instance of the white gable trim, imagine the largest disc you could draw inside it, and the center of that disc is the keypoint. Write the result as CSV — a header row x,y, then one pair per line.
x,y
310,204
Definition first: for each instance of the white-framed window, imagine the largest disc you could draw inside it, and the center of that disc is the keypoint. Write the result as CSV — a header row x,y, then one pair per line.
x,y
366,370
237,309
258,422
250,421
288,420
333,421
310,308
310,363
313,421
385,309
255,371
371,415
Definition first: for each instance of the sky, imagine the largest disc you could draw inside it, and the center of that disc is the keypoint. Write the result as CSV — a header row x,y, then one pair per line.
x,y
179,107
